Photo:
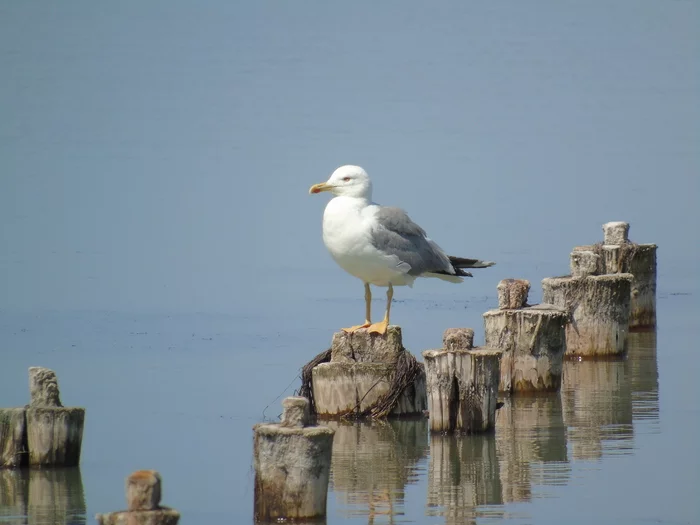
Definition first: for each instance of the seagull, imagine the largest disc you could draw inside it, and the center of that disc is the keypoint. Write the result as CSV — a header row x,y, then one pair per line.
x,y
380,245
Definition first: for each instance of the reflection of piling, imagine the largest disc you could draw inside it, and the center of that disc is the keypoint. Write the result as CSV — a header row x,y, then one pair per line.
x,y
45,433
598,306
43,495
292,465
644,376
56,496
14,492
462,384
597,401
143,493
532,339
369,375
372,463
463,475
530,431
619,255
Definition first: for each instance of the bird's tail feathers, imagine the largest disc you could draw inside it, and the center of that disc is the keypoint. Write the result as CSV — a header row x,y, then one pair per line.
x,y
461,262
448,277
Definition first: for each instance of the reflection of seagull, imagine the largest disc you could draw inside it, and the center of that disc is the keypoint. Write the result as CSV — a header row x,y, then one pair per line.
x,y
378,244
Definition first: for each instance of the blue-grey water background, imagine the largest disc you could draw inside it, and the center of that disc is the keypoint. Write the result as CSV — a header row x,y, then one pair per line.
x,y
159,250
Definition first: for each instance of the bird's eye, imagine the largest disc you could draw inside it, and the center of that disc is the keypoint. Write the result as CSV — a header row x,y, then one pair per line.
x,y
346,179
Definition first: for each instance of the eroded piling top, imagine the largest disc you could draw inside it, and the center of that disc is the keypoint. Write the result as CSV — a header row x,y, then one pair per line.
x,y
544,309
584,263
296,419
271,429
512,293
612,277
143,490
363,347
43,388
458,339
143,493
297,412
616,232
479,351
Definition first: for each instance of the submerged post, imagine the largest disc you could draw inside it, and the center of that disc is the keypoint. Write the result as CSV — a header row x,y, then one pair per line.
x,y
598,306
54,432
532,338
462,384
143,494
292,465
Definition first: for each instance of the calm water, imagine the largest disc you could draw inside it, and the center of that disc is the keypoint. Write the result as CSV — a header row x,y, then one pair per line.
x,y
159,250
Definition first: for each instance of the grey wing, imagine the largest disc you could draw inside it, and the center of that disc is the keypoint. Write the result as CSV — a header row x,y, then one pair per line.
x,y
396,234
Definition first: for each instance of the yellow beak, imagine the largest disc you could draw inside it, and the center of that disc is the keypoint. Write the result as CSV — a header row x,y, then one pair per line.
x,y
318,188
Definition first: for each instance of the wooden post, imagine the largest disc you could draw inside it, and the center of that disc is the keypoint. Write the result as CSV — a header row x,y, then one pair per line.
x,y
360,375
616,232
54,432
143,494
598,307
292,465
532,338
13,437
512,293
462,386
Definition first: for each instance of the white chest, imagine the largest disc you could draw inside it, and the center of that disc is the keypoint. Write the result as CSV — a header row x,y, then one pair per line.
x,y
346,230
347,233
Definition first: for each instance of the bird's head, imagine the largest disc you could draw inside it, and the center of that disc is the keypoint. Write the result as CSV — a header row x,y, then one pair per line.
x,y
347,181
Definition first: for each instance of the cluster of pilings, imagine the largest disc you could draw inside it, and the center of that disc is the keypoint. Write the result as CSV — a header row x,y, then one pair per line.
x,y
611,290
589,313
46,436
523,353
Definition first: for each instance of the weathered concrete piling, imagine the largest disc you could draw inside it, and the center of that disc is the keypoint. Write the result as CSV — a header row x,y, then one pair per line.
x,y
292,465
45,433
462,384
598,306
143,494
13,437
619,255
54,432
532,338
364,377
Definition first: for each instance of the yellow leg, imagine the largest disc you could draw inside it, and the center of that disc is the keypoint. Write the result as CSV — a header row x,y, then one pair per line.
x,y
368,312
381,326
